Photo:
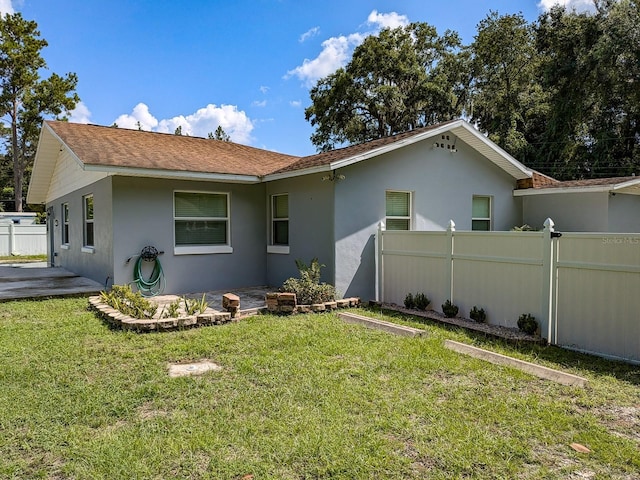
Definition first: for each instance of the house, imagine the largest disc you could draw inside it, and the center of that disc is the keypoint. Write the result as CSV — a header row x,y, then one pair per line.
x,y
228,215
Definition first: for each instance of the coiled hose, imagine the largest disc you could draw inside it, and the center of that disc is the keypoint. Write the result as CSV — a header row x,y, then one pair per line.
x,y
155,283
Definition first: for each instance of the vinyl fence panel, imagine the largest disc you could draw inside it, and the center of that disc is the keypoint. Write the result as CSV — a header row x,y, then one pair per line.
x,y
598,294
500,272
23,239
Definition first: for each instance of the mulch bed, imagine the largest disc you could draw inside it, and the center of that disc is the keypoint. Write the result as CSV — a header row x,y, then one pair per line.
x,y
509,334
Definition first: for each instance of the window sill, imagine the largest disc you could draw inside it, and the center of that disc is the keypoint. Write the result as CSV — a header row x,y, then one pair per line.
x,y
88,250
280,249
203,250
64,246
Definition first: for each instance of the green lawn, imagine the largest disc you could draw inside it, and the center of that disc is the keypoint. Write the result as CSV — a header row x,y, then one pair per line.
x,y
301,397
22,258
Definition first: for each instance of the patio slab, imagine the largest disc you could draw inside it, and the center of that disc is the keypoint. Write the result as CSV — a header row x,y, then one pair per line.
x,y
24,281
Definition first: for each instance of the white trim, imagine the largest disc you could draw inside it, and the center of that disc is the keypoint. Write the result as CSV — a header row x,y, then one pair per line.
x,y
64,246
297,173
482,219
526,192
399,217
612,187
273,219
88,249
173,174
86,221
202,250
279,249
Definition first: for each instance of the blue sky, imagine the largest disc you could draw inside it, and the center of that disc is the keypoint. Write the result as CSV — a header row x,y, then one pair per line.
x,y
246,65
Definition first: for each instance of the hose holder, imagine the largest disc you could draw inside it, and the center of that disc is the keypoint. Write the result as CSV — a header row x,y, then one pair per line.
x,y
149,253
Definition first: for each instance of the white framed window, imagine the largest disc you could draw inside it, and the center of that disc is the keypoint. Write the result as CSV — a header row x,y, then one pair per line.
x,y
88,231
398,210
279,224
65,224
481,213
201,222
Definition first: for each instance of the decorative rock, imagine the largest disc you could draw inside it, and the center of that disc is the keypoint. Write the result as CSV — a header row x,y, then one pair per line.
x,y
331,305
303,309
344,303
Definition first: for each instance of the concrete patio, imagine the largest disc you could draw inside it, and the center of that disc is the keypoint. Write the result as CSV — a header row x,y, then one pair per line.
x,y
35,280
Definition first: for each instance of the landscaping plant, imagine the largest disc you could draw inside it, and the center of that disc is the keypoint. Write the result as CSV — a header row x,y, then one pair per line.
x,y
409,301
449,309
527,323
421,301
479,315
123,299
308,288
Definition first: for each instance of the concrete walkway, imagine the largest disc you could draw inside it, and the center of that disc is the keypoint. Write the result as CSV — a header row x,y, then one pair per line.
x,y
34,280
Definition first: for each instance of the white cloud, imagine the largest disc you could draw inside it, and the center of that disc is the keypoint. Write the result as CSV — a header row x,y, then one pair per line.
x,y
6,7
295,103
140,116
577,5
336,51
387,20
335,54
264,89
259,103
80,114
312,32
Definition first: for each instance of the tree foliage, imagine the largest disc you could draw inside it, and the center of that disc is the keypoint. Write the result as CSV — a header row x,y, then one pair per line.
x,y
398,80
561,94
219,134
25,98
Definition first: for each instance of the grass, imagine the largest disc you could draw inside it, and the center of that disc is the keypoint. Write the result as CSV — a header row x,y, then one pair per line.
x,y
298,397
22,258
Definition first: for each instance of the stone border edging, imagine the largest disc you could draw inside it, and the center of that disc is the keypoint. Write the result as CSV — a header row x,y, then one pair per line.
x,y
381,325
531,368
117,319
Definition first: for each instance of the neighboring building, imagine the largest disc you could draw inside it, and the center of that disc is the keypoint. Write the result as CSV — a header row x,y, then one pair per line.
x,y
228,215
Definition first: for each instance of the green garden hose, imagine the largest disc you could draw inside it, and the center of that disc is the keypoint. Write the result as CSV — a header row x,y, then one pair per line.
x,y
154,284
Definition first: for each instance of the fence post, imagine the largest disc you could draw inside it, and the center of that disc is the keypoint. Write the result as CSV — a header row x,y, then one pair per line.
x,y
547,322
451,228
12,239
379,271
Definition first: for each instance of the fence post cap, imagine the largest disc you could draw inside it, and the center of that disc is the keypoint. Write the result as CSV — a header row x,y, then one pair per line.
x,y
548,224
451,226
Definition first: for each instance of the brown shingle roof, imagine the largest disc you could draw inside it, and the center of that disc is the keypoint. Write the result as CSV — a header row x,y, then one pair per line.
x,y
326,158
119,147
592,182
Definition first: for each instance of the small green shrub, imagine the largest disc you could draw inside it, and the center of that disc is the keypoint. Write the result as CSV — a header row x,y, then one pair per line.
x,y
193,306
409,302
449,309
308,288
527,323
172,310
421,301
123,299
479,315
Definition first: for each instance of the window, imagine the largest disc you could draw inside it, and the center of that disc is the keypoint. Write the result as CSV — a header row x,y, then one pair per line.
x,y
65,224
280,219
481,213
279,224
88,221
201,222
398,207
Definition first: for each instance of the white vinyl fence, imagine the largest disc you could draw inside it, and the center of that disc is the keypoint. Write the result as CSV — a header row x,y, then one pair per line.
x,y
584,289
23,239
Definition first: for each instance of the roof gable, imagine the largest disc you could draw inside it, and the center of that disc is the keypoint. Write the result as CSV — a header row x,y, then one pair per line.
x,y
342,157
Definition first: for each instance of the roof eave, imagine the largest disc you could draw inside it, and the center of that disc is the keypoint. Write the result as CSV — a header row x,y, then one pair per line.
x,y
174,174
527,192
297,173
